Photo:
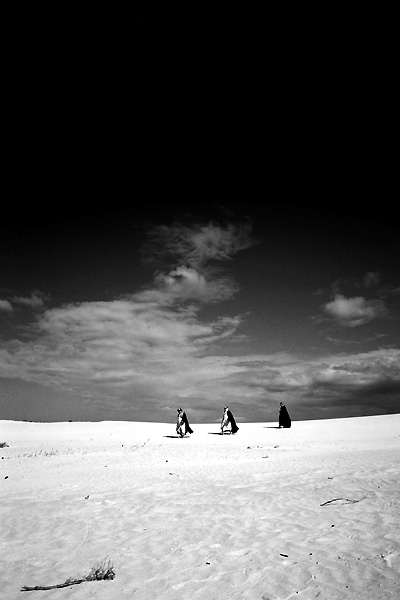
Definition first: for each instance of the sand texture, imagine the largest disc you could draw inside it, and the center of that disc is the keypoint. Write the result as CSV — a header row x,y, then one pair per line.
x,y
268,514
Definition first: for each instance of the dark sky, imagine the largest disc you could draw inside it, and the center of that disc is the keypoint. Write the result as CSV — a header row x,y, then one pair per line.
x,y
198,213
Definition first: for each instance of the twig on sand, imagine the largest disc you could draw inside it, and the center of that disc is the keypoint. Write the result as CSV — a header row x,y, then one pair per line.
x,y
102,571
343,501
69,582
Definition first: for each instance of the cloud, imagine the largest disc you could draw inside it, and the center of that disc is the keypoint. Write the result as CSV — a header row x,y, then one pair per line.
x,y
212,242
352,312
371,278
5,306
185,283
35,300
185,258
364,382
105,347
366,340
196,246
358,369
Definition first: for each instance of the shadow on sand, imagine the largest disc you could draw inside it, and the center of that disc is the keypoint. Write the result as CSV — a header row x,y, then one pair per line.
x,y
177,436
272,427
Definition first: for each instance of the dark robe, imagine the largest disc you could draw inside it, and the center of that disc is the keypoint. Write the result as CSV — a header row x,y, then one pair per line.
x,y
284,419
185,421
232,421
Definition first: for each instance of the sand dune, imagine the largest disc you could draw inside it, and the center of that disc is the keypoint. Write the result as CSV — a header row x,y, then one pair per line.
x,y
268,514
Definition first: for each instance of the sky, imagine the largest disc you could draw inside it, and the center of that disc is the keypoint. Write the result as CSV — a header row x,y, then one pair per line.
x,y
209,222
131,312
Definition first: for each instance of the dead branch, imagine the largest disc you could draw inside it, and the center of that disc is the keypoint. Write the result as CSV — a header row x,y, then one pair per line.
x,y
69,582
343,500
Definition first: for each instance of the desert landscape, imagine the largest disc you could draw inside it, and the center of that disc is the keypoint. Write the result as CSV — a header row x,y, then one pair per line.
x,y
268,514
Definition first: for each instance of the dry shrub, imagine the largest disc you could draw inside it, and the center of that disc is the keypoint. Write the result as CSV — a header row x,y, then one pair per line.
x,y
102,570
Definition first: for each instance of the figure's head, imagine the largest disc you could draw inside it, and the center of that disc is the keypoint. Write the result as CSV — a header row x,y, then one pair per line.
x,y
179,410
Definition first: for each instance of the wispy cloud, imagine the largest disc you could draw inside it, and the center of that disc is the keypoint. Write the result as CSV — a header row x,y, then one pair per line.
x,y
357,342
185,259
36,300
197,245
371,279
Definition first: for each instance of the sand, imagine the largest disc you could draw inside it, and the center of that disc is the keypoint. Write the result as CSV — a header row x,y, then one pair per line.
x,y
272,514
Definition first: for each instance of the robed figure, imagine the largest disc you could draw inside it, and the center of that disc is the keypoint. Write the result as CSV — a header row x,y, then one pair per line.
x,y
284,418
182,423
228,420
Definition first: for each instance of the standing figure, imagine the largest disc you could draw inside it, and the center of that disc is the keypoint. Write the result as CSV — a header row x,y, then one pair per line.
x,y
284,418
182,421
228,419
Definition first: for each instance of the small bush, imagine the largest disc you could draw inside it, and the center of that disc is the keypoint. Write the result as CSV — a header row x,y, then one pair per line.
x,y
102,570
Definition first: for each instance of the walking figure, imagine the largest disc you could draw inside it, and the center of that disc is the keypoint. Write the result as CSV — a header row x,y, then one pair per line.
x,y
284,418
182,422
228,420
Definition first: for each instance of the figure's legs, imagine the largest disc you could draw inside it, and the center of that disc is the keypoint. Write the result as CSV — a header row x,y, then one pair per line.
x,y
225,427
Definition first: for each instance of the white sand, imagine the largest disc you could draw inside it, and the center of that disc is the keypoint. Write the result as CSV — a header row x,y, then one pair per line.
x,y
207,517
